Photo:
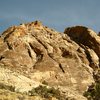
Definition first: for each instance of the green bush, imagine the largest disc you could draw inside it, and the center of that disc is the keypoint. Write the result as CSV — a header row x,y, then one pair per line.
x,y
93,92
45,92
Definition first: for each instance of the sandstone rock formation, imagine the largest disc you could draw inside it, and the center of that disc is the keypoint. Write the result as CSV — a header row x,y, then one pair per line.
x,y
86,37
33,54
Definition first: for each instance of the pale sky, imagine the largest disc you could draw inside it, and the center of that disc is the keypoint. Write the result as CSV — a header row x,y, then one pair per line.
x,y
57,14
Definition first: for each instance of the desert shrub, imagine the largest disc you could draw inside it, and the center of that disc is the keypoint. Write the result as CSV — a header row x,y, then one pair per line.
x,y
6,87
45,92
93,92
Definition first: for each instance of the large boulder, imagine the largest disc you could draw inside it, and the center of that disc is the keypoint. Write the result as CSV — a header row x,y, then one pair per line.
x,y
87,39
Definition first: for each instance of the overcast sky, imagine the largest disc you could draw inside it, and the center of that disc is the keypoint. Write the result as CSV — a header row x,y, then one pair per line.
x,y
57,14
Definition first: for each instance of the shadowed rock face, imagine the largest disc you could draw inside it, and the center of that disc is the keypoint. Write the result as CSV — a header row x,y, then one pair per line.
x,y
99,34
88,40
65,61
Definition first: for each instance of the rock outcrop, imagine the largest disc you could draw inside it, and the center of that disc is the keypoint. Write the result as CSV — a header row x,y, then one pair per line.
x,y
38,54
87,38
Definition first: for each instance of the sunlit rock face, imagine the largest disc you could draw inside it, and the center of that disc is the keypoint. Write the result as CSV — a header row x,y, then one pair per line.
x,y
64,60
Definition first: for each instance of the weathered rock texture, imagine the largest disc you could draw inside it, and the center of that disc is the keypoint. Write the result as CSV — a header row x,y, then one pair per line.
x,y
64,60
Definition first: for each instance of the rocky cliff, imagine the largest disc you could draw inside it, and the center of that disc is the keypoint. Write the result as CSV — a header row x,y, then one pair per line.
x,y
33,55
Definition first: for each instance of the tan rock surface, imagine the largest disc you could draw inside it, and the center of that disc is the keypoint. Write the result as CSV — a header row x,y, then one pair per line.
x,y
38,53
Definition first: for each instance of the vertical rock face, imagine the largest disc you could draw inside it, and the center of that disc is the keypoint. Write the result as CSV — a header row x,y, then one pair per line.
x,y
64,61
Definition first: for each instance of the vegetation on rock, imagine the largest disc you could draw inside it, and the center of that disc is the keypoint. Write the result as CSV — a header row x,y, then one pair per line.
x,y
6,87
47,92
93,92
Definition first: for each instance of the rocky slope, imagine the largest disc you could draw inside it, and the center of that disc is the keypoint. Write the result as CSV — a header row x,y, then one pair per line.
x,y
32,55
